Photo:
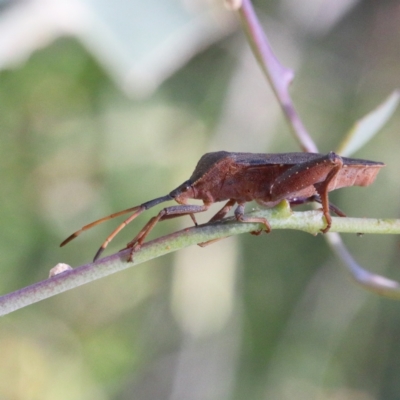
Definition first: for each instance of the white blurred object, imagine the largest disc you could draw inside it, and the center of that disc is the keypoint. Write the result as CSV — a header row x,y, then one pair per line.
x,y
139,43
58,269
203,290
30,25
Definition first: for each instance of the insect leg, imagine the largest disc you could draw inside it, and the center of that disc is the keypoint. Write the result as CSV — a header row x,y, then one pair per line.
x,y
323,189
219,215
332,207
223,211
166,213
336,210
138,211
239,214
318,173
317,199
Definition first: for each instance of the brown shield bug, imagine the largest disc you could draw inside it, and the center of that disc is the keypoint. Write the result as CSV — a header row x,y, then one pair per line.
x,y
243,177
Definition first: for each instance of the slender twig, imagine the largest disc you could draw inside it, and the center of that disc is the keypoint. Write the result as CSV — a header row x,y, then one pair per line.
x,y
278,75
372,282
281,217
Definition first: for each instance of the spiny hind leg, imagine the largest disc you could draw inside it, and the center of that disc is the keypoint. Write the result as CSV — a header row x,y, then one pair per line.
x,y
318,172
317,199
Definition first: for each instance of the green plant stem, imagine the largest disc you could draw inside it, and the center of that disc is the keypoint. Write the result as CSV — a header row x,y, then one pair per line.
x,y
280,217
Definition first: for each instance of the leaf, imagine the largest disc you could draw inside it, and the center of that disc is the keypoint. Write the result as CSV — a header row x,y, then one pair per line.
x,y
368,126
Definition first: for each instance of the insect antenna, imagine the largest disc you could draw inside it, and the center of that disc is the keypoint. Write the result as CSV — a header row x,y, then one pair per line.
x,y
137,211
140,209
97,222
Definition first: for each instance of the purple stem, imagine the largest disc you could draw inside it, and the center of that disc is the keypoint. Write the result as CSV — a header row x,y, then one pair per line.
x,y
278,76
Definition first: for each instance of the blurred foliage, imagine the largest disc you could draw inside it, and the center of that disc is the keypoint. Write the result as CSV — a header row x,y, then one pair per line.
x,y
268,317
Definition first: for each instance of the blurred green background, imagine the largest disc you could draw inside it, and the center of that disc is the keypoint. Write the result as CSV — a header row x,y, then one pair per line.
x,y
105,105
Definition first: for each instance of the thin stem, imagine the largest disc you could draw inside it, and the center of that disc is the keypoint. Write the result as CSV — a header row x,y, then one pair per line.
x,y
372,282
278,76
281,217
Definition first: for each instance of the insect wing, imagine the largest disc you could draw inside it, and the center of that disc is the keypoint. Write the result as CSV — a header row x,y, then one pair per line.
x,y
258,159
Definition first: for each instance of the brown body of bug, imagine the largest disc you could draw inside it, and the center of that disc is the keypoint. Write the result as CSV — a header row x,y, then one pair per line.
x,y
243,177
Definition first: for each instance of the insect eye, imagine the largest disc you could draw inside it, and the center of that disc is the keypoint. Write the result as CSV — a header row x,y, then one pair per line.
x,y
184,187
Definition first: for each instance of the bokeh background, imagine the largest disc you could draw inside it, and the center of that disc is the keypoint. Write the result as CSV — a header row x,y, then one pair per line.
x,y
105,105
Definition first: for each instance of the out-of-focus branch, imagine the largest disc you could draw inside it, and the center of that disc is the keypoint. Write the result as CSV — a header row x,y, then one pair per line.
x,y
372,282
278,76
